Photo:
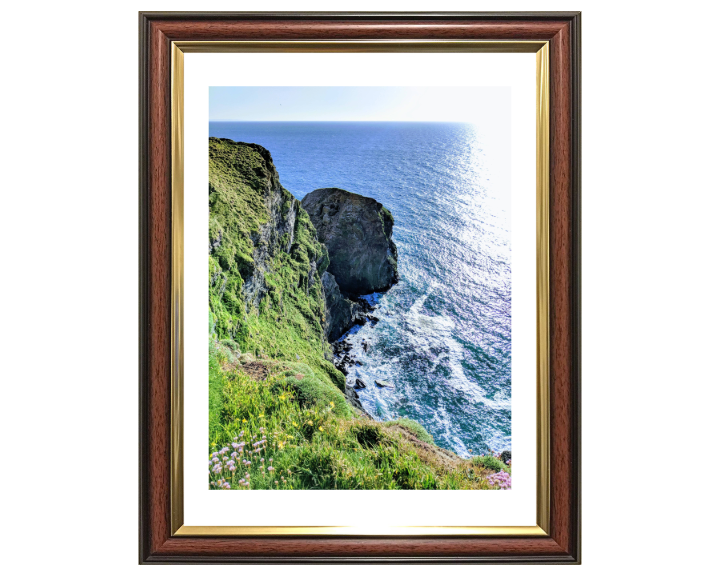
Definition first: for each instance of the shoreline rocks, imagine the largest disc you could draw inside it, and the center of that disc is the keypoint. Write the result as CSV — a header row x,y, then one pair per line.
x,y
343,312
340,312
353,399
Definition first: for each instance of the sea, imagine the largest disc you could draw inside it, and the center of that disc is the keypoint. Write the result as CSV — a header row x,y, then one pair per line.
x,y
443,339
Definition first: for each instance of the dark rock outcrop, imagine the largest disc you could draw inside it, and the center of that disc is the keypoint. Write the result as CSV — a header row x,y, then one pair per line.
x,y
340,313
358,234
354,400
343,313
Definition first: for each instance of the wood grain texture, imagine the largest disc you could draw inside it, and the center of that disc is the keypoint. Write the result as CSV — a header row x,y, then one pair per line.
x,y
361,549
160,172
357,30
155,290
156,32
560,282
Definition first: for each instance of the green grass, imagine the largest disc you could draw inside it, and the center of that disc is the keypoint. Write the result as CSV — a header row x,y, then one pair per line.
x,y
216,400
413,427
314,439
287,324
309,390
491,463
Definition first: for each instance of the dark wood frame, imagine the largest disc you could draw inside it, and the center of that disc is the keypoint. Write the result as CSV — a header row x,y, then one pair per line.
x,y
157,31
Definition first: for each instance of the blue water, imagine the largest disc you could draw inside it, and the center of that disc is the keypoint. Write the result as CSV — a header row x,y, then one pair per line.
x,y
443,338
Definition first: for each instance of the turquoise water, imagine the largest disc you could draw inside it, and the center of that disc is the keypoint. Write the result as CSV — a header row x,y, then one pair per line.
x,y
443,338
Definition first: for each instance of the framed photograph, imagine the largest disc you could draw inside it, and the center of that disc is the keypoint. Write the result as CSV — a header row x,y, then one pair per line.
x,y
360,271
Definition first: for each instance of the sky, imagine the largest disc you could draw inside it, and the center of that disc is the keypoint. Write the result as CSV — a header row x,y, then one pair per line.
x,y
354,103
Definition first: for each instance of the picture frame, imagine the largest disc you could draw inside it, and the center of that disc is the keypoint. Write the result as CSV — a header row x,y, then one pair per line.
x,y
164,38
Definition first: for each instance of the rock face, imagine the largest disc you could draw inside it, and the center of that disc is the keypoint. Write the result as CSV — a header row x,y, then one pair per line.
x,y
271,291
340,313
253,218
265,260
358,234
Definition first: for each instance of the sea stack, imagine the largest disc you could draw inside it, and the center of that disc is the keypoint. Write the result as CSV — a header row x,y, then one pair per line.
x,y
357,231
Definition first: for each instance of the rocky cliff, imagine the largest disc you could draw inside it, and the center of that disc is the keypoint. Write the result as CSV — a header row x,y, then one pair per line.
x,y
340,312
273,287
358,234
266,263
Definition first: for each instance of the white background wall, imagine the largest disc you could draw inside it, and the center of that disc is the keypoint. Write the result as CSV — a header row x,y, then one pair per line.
x,y
68,221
